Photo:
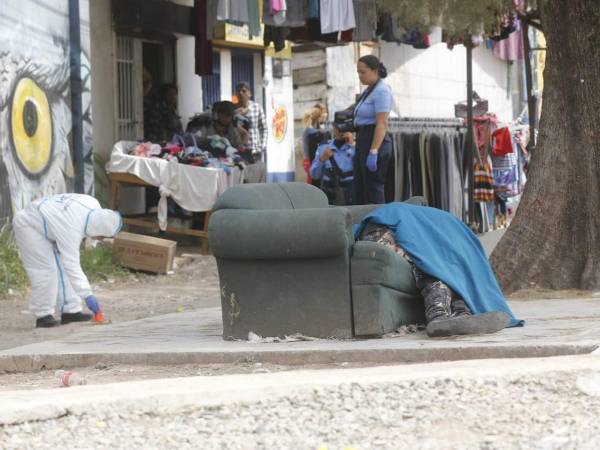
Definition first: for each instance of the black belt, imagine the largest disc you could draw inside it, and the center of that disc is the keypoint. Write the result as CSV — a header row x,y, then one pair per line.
x,y
360,128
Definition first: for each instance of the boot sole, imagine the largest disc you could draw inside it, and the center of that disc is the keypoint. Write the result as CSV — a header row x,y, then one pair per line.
x,y
50,325
67,321
484,323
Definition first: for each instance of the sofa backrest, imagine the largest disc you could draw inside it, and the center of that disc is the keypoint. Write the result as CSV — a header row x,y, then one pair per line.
x,y
272,196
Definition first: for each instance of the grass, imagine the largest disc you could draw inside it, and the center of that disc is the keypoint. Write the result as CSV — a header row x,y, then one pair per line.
x,y
12,274
97,263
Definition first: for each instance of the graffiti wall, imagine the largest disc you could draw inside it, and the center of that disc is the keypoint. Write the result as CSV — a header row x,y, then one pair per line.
x,y
36,121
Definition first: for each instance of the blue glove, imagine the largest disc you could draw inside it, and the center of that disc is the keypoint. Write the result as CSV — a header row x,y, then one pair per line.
x,y
372,162
92,303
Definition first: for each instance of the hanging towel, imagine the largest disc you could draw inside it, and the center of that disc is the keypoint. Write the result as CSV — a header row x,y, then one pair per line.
x,y
445,248
365,13
337,15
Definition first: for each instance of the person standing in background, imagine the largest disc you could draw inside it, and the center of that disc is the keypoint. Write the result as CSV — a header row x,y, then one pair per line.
x,y
258,133
373,143
313,135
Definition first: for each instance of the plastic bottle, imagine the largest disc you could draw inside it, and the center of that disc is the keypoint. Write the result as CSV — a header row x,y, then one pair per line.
x,y
67,378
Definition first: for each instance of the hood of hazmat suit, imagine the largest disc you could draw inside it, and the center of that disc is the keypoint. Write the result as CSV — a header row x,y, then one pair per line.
x,y
103,223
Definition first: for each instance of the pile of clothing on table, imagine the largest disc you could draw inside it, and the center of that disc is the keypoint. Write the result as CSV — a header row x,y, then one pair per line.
x,y
201,151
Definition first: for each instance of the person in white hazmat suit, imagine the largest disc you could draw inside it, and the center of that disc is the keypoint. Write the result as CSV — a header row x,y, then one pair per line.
x,y
49,233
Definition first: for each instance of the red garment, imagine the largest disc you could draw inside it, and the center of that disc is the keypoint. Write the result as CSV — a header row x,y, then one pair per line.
x,y
306,165
502,142
346,36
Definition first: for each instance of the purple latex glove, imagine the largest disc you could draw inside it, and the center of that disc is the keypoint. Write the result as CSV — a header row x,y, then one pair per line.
x,y
92,303
372,162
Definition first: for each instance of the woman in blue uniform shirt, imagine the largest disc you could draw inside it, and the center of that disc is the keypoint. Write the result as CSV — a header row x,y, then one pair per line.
x,y
373,144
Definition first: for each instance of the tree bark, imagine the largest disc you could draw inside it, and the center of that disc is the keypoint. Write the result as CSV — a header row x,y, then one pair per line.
x,y
554,239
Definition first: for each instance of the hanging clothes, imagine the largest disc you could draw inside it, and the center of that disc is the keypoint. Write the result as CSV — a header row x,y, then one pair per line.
x,y
430,163
276,35
203,46
313,9
502,142
295,14
337,15
253,17
212,8
511,48
365,13
234,12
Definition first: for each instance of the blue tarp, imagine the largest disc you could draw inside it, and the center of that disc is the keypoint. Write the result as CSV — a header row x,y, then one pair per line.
x,y
445,248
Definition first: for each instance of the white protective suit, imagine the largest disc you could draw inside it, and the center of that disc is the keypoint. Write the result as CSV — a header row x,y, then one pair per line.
x,y
49,234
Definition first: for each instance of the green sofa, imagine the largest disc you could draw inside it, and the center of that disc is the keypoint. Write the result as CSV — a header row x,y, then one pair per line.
x,y
288,263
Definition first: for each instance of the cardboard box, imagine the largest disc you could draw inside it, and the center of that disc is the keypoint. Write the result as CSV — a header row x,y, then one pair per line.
x,y
147,253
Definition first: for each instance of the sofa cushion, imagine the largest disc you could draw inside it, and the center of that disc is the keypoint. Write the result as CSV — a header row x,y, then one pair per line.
x,y
373,263
271,196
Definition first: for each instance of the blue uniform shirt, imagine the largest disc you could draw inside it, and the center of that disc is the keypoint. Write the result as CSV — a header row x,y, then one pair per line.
x,y
343,157
380,100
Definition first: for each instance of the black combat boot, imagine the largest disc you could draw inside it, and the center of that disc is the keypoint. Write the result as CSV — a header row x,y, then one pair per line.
x,y
459,307
437,298
462,321
46,322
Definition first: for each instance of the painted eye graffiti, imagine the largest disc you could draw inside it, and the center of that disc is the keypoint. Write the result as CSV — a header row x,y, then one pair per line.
x,y
31,125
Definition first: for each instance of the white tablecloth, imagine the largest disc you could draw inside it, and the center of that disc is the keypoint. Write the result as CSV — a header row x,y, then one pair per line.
x,y
193,188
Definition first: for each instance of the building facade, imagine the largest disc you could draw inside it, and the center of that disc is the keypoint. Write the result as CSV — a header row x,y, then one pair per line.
x,y
74,75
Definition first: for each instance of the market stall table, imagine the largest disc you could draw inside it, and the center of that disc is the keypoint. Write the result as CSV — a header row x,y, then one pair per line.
x,y
193,188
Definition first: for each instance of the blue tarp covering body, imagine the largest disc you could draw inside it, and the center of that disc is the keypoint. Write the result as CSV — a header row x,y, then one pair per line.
x,y
445,248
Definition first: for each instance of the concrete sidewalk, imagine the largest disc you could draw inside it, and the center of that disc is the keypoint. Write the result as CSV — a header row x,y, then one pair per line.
x,y
553,327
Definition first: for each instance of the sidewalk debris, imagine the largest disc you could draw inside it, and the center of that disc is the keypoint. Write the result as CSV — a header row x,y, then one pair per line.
x,y
254,338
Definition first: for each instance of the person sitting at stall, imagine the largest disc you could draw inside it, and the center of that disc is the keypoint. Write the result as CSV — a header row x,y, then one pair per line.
x,y
222,124
450,269
161,120
332,166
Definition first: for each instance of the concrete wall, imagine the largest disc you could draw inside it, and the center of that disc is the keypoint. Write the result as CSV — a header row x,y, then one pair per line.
x,y
103,82
342,80
427,83
36,111
190,84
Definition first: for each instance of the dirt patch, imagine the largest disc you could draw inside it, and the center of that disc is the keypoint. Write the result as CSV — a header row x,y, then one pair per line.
x,y
193,285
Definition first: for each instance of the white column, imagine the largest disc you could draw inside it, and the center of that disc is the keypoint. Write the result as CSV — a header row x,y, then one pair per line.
x,y
257,89
190,84
226,92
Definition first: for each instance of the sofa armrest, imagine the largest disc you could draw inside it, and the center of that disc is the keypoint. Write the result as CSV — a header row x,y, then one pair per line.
x,y
280,234
359,212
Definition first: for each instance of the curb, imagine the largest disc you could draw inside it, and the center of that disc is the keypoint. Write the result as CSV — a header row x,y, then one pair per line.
x,y
34,363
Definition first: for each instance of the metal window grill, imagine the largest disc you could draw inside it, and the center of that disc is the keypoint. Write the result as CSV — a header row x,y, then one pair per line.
x,y
126,113
211,84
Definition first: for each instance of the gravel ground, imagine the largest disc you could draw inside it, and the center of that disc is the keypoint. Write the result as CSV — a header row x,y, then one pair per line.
x,y
529,412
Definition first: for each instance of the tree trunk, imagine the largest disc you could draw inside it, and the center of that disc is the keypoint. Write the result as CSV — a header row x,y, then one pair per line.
x,y
554,239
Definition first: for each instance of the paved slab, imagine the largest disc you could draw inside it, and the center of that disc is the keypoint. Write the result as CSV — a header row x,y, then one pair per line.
x,y
181,394
553,327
